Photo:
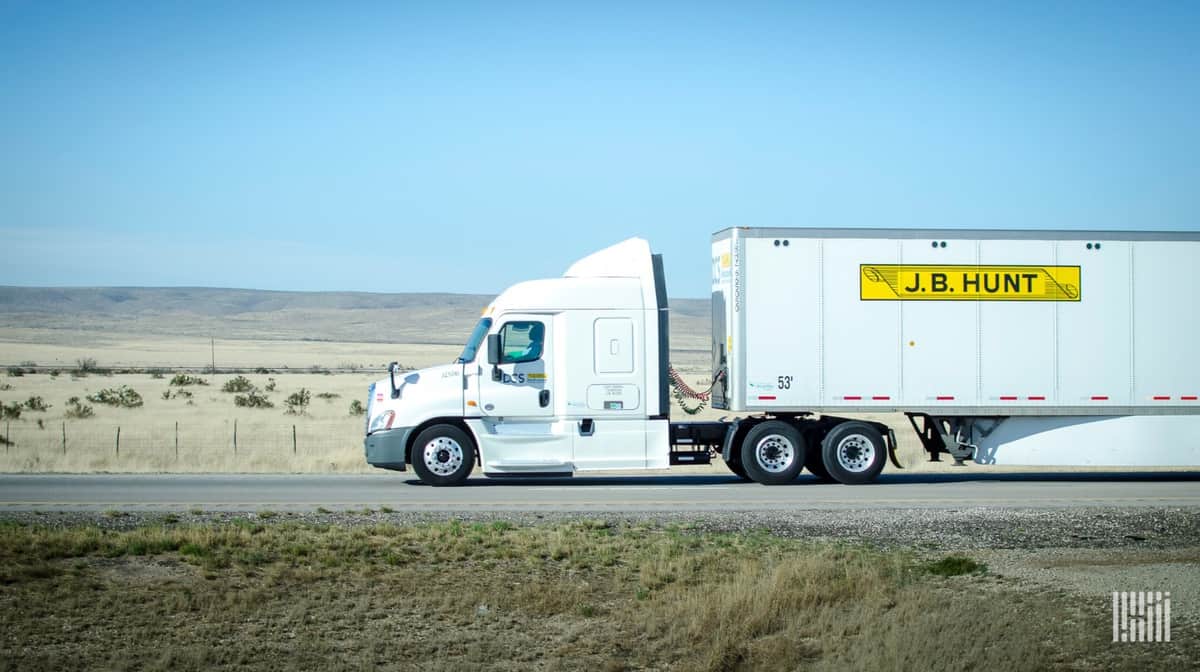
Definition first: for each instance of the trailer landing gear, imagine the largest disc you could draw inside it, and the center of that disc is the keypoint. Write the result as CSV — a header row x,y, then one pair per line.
x,y
954,435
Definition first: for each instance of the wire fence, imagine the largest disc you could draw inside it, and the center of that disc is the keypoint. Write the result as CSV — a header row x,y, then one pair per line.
x,y
223,445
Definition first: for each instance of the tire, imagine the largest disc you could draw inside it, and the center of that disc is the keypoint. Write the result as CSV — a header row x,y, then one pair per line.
x,y
773,452
443,455
737,469
854,453
815,463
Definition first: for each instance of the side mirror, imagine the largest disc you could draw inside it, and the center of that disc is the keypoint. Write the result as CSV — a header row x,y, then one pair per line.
x,y
493,349
392,369
493,355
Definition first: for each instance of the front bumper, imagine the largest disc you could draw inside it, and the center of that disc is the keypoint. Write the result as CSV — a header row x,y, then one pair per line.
x,y
385,449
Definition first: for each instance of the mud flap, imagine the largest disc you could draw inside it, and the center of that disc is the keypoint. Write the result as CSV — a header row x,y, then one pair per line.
x,y
892,449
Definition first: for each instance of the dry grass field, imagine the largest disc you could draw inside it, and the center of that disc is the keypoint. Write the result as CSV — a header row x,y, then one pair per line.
x,y
587,595
192,431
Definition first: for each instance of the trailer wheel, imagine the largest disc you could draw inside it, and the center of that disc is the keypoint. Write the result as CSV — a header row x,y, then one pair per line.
x,y
443,455
854,453
816,466
773,452
813,461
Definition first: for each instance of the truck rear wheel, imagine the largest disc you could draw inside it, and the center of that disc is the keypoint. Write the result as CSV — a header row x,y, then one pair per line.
x,y
854,453
773,452
814,462
736,467
443,455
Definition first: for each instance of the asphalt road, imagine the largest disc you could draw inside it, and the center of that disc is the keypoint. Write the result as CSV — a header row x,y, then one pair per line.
x,y
590,493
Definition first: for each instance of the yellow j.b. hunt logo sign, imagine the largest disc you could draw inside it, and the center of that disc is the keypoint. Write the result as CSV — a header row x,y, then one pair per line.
x,y
920,282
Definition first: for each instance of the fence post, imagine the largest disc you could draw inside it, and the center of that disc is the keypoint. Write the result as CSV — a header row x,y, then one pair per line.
x,y
64,428
177,440
293,439
235,436
118,440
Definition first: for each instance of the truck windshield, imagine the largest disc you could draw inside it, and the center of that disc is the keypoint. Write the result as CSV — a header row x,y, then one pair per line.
x,y
477,335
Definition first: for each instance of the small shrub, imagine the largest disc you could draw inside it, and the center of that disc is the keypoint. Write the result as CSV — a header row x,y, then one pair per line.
x,y
10,411
954,565
86,364
15,372
78,409
123,396
157,374
253,399
261,370
5,387
357,408
183,380
237,384
316,368
328,396
37,404
270,385
54,373
297,402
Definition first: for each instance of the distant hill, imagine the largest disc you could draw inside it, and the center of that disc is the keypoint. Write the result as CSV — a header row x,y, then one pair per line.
x,y
261,314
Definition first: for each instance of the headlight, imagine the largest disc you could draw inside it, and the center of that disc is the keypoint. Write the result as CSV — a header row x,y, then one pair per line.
x,y
383,421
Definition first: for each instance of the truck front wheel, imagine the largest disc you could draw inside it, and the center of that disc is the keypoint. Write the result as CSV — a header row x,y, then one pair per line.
x,y
773,452
443,455
854,453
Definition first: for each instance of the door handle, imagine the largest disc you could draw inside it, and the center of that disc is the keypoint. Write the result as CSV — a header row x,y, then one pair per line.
x,y
586,427
544,398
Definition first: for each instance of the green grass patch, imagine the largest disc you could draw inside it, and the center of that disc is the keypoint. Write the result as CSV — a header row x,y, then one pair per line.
x,y
954,565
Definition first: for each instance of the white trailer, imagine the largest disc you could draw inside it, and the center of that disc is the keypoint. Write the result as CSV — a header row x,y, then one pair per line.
x,y
1005,347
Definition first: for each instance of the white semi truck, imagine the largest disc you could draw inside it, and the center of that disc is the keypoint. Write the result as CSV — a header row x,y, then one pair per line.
x,y
1002,347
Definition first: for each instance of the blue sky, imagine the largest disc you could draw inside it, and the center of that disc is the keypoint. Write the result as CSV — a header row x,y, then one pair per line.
x,y
464,146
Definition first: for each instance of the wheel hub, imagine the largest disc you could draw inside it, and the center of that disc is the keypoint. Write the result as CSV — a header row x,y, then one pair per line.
x,y
855,453
774,453
443,456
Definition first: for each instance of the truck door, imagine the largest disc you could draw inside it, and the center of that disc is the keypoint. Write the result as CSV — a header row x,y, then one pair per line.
x,y
516,400
610,423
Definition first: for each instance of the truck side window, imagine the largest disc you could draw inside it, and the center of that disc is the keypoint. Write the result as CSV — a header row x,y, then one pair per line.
x,y
522,342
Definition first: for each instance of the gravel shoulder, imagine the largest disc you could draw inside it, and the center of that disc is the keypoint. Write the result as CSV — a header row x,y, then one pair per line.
x,y
968,528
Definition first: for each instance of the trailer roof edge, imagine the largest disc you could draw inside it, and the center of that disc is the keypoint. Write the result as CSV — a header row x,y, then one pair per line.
x,y
955,234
